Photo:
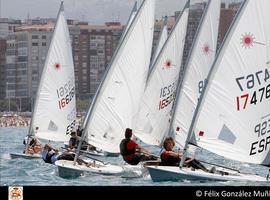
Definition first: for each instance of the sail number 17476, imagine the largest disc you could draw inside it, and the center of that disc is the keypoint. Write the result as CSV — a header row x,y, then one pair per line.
x,y
248,83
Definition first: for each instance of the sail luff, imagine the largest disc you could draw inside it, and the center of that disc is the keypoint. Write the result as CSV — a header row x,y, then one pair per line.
x,y
160,43
187,5
130,19
61,9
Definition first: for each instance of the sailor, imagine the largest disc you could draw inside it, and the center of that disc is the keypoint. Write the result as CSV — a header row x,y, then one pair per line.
x,y
30,137
131,152
34,146
51,155
171,158
73,141
79,131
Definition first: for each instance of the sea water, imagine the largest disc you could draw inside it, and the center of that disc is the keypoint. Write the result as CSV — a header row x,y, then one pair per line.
x,y
38,173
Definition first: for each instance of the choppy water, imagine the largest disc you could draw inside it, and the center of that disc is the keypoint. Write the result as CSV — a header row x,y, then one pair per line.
x,y
36,172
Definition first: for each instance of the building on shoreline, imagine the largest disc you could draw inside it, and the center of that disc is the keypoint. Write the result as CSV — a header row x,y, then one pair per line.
x,y
24,47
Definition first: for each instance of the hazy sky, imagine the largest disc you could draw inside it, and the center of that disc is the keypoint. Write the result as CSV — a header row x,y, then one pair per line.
x,y
93,11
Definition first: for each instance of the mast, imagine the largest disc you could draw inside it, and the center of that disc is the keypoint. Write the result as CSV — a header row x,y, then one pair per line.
x,y
134,9
187,5
181,81
61,9
149,114
91,109
155,55
210,74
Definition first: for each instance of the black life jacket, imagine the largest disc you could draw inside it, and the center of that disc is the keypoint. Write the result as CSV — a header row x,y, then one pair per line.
x,y
49,157
124,150
169,160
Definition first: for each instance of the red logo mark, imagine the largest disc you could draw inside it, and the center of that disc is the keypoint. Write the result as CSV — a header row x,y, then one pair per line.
x,y
206,49
247,40
201,133
168,64
57,66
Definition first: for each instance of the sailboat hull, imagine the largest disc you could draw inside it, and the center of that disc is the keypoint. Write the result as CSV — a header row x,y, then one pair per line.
x,y
95,153
25,156
66,169
168,173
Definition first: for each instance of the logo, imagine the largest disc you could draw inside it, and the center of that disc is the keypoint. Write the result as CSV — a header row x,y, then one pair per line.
x,y
201,133
248,40
15,193
168,64
206,49
57,66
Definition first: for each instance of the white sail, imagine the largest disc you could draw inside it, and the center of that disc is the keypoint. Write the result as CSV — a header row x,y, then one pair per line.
x,y
162,39
155,109
55,106
117,99
233,117
200,60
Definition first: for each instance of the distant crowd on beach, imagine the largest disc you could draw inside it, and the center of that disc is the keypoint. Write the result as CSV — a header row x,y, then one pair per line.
x,y
12,119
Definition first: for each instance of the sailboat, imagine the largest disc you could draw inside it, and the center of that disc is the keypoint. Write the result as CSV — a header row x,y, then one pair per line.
x,y
116,101
54,112
232,115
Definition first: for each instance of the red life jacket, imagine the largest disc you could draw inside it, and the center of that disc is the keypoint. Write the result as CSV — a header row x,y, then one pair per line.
x,y
124,149
169,160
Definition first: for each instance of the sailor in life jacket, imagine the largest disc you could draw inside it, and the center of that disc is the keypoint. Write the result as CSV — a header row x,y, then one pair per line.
x,y
75,140
51,155
34,146
131,152
168,156
172,158
48,153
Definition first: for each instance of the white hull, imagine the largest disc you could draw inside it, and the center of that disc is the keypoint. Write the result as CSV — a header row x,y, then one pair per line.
x,y
99,153
66,169
168,173
96,153
25,156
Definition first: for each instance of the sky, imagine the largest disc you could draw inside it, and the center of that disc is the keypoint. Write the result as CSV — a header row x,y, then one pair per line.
x,y
93,11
